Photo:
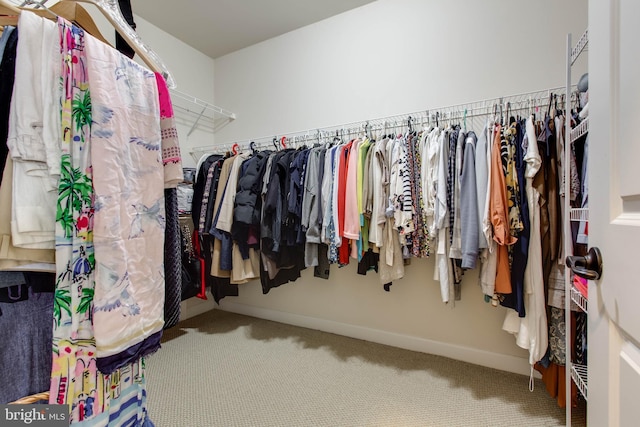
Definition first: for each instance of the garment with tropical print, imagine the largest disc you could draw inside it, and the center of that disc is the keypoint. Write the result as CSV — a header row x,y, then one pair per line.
x,y
95,399
129,222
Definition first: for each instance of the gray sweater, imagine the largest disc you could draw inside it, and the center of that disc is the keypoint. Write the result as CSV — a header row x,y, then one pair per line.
x,y
469,204
311,208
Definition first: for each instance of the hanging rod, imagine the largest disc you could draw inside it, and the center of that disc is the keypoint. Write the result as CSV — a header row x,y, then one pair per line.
x,y
452,112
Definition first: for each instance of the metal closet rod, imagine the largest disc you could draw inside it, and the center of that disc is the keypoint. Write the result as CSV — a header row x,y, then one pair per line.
x,y
518,102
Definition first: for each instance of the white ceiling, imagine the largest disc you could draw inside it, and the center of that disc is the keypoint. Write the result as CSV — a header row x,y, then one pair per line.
x,y
218,27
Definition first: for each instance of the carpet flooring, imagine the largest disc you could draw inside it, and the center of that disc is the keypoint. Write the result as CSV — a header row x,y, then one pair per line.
x,y
221,369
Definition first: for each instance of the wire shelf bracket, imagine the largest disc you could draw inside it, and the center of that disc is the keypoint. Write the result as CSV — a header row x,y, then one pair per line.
x,y
579,47
580,130
579,376
579,214
578,298
202,110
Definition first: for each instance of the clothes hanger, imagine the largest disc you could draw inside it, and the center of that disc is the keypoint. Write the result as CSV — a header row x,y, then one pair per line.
x,y
72,12
410,124
39,8
111,10
549,106
75,13
8,20
8,9
8,14
464,120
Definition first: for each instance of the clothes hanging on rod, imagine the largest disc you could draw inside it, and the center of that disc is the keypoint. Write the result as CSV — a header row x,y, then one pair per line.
x,y
522,104
97,237
389,193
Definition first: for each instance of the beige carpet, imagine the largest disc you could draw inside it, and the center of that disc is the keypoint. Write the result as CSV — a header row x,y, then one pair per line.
x,y
222,369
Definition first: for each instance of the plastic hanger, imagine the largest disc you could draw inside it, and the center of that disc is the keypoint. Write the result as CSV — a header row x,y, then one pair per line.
x,y
39,9
464,120
111,10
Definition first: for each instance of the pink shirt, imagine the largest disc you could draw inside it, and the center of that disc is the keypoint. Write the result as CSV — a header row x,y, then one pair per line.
x,y
351,212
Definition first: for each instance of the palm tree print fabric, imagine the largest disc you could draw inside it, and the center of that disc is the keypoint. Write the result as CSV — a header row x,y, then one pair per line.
x,y
95,399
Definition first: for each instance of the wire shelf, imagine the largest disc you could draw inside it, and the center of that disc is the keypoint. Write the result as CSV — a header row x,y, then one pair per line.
x,y
579,214
201,111
579,299
580,130
579,376
579,47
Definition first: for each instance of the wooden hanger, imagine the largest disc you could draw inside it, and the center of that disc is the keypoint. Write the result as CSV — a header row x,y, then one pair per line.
x,y
75,13
8,20
8,14
111,10
72,12
7,8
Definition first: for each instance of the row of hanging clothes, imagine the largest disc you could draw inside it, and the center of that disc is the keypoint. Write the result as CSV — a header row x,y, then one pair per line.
x,y
83,197
553,364
486,199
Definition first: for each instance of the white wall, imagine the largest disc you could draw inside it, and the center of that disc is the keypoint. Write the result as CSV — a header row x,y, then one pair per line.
x,y
387,58
193,72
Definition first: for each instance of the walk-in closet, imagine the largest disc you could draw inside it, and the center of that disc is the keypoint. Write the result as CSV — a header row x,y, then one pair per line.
x,y
336,213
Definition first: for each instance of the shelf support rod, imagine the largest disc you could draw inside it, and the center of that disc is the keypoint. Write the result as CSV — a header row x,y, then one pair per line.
x,y
197,120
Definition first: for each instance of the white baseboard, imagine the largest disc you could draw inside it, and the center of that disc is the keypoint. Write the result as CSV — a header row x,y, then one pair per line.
x,y
502,362
196,306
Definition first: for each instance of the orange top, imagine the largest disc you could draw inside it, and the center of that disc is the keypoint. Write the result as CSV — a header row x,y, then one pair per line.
x,y
498,211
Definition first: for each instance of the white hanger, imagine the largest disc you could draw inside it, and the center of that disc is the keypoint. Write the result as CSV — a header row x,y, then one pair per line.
x,y
111,10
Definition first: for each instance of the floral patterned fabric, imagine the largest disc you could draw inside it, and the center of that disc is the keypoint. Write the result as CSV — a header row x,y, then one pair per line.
x,y
420,236
95,399
129,221
508,155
